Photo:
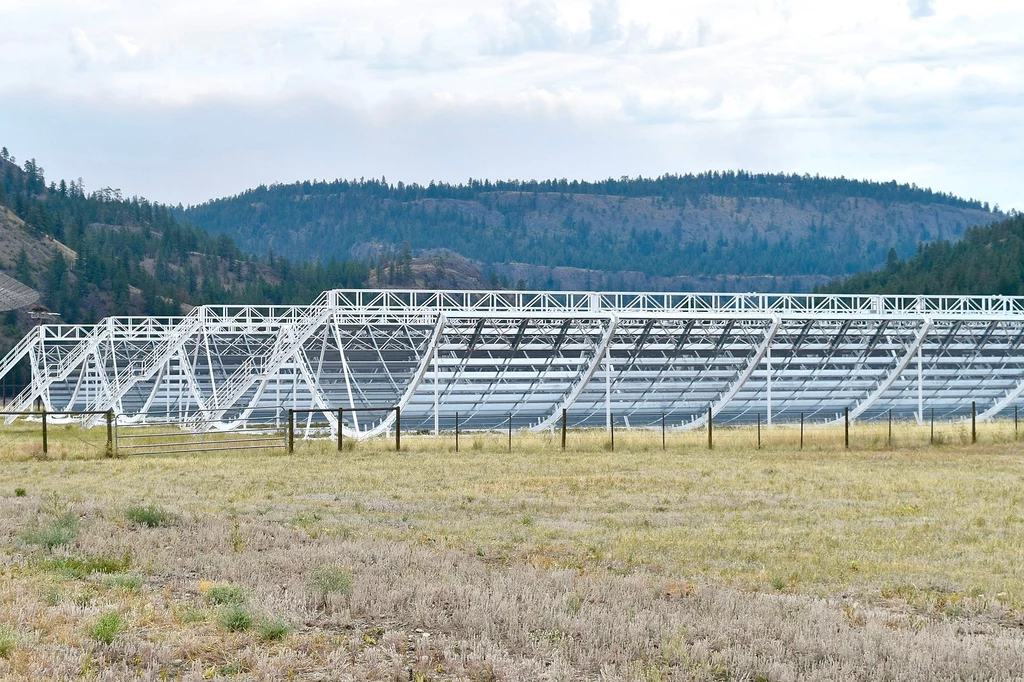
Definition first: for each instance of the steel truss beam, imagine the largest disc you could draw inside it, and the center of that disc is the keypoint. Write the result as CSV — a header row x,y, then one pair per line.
x,y
490,355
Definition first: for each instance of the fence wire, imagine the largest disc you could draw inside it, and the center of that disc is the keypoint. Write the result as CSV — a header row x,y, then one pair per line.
x,y
76,435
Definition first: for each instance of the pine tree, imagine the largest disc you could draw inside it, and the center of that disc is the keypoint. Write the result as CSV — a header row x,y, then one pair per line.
x,y
22,269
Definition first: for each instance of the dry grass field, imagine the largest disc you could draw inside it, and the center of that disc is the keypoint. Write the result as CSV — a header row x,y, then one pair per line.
x,y
874,563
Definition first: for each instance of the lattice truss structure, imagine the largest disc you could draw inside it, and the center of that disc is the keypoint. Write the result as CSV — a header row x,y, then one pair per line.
x,y
489,356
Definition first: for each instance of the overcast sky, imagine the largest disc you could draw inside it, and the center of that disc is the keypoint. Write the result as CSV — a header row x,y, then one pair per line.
x,y
186,100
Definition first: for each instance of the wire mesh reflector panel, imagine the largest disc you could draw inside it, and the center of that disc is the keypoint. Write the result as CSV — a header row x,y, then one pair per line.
x,y
14,294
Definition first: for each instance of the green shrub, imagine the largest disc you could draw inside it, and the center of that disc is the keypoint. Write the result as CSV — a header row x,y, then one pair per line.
x,y
226,594
150,516
126,582
274,630
58,527
105,629
332,580
56,532
19,492
191,614
52,596
8,642
235,618
76,567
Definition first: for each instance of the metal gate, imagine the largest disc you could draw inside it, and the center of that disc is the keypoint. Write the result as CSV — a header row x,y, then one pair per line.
x,y
202,432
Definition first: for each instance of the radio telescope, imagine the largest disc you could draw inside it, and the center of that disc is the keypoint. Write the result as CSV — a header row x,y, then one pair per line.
x,y
14,294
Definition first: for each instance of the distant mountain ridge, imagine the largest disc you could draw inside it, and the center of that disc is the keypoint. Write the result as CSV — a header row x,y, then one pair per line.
x,y
729,231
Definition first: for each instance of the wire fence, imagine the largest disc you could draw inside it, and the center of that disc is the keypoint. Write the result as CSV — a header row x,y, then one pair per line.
x,y
75,434
59,435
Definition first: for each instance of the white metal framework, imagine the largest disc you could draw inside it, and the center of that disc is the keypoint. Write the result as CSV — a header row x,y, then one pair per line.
x,y
489,355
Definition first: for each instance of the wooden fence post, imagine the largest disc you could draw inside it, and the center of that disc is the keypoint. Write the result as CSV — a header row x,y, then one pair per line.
x,y
110,433
564,419
291,431
711,430
398,429
889,441
846,419
46,447
974,422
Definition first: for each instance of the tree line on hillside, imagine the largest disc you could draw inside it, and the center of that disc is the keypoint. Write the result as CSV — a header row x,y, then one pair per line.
x,y
987,261
670,187
133,256
341,217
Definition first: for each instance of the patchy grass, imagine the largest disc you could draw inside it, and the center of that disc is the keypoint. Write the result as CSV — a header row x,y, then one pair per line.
x,y
331,580
150,516
55,526
78,567
125,582
225,595
107,627
8,641
274,630
634,564
235,618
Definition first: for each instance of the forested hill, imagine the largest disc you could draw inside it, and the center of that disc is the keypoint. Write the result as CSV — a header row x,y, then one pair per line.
x,y
95,254
989,260
732,230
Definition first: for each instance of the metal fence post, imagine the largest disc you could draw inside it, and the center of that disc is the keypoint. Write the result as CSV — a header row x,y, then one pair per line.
x,y
398,429
974,422
46,447
801,430
613,432
889,441
758,430
931,437
846,421
341,422
291,431
1015,422
510,433
564,417
711,430
110,433
456,432
663,431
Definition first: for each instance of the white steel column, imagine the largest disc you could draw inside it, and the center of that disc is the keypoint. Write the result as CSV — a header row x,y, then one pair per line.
x,y
607,394
768,380
437,412
920,387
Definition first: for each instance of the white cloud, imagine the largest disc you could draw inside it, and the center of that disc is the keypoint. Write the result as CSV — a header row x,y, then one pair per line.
x,y
921,8
604,22
82,49
129,47
647,73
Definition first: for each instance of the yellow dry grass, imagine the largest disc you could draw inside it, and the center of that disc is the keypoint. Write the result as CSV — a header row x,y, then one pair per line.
x,y
921,541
